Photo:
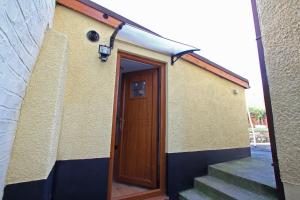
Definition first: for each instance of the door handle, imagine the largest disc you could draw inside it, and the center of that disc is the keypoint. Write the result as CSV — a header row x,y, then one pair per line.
x,y
122,122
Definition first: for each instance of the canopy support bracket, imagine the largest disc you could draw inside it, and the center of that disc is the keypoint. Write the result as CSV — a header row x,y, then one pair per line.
x,y
113,36
175,57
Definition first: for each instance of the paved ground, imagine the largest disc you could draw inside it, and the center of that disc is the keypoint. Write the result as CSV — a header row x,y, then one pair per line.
x,y
258,168
262,152
262,164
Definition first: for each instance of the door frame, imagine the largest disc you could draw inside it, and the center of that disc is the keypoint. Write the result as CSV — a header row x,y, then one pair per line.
x,y
161,123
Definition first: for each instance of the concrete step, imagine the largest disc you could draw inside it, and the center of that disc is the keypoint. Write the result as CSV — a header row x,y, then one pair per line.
x,y
219,189
162,197
239,175
193,194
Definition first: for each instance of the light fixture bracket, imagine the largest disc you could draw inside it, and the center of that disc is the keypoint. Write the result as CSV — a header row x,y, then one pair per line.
x,y
104,50
114,34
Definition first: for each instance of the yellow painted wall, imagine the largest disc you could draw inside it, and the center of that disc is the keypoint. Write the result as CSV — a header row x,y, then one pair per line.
x,y
280,27
88,103
203,113
35,146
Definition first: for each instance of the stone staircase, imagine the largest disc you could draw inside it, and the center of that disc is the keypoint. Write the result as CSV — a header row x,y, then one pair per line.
x,y
245,179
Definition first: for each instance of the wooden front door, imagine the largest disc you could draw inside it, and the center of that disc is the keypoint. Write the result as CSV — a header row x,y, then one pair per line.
x,y
138,146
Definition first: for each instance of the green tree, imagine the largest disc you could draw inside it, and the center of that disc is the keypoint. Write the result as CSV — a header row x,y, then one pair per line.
x,y
258,113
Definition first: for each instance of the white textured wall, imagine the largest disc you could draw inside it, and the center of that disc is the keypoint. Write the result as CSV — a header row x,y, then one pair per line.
x,y
280,27
22,26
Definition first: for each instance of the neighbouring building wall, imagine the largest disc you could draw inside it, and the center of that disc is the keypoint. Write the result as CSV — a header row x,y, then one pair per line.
x,y
280,27
22,26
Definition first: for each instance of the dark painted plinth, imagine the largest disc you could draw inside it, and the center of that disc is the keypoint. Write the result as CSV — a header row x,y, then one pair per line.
x,y
39,189
87,179
81,179
183,167
68,180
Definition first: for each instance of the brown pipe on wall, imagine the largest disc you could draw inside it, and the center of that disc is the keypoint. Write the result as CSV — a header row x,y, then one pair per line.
x,y
268,104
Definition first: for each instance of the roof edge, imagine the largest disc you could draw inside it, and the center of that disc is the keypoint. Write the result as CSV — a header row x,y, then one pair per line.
x,y
90,12
210,66
220,67
98,12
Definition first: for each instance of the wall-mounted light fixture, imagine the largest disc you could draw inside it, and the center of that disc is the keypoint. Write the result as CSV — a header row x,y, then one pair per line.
x,y
104,52
235,91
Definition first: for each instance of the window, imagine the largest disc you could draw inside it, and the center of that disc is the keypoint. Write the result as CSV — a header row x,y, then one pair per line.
x,y
138,88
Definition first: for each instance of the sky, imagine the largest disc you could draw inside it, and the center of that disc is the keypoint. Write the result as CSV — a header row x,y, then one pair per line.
x,y
223,30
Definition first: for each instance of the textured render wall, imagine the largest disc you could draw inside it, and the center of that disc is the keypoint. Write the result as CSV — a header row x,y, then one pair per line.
x,y
35,146
280,27
204,113
22,24
86,126
88,103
